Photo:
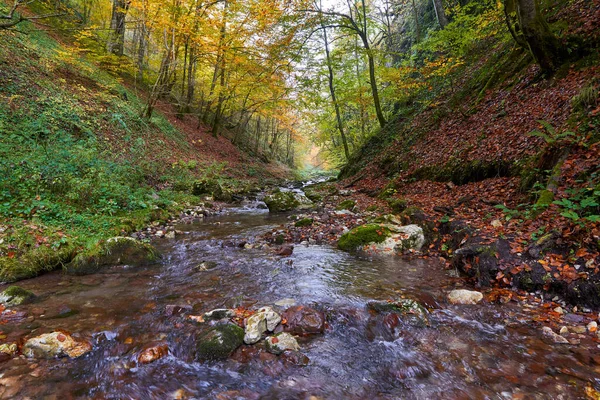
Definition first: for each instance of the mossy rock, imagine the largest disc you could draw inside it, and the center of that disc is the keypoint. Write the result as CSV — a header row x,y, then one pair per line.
x,y
15,296
313,195
287,201
372,208
213,188
363,235
115,251
397,205
304,222
219,342
34,262
346,205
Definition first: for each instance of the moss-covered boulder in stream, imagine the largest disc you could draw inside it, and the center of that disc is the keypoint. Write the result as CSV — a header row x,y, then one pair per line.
x,y
287,201
213,188
15,296
219,342
363,235
304,222
114,251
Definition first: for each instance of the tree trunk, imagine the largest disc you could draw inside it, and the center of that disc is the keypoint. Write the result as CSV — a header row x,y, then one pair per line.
x,y
544,46
116,39
440,13
333,96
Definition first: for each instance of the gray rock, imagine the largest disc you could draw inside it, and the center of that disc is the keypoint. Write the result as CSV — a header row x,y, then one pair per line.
x,y
264,320
551,337
462,296
281,342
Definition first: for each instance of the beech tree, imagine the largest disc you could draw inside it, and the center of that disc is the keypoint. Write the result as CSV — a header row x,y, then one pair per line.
x,y
529,28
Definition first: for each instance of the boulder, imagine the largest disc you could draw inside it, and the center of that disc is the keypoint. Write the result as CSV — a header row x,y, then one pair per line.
x,y
118,250
15,295
552,337
385,238
281,342
462,296
55,344
152,352
264,320
302,320
287,201
219,342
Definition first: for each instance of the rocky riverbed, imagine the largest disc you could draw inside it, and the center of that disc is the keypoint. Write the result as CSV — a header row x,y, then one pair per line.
x,y
232,310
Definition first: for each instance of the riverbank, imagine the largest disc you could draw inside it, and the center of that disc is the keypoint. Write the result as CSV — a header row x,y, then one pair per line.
x,y
79,165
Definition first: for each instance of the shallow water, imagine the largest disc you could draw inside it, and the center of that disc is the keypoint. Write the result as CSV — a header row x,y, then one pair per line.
x,y
467,352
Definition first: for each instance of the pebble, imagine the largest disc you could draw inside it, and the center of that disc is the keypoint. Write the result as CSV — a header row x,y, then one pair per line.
x,y
592,326
559,310
578,329
553,337
564,331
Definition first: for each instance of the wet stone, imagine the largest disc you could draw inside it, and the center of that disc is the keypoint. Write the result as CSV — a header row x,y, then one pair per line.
x,y
218,314
281,342
462,296
302,320
219,342
55,344
152,352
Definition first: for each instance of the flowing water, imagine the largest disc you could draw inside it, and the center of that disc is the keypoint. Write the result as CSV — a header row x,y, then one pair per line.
x,y
467,352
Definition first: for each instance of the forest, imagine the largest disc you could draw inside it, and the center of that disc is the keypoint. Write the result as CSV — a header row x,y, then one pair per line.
x,y
304,199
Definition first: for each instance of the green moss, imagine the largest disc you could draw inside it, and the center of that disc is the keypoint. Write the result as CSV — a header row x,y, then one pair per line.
x,y
410,309
114,251
15,295
346,205
362,235
286,201
313,194
219,342
397,205
304,222
372,208
34,262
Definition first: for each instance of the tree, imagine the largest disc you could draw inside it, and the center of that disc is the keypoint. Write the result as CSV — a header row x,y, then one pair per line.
x,y
356,21
117,27
332,92
13,17
535,32
440,13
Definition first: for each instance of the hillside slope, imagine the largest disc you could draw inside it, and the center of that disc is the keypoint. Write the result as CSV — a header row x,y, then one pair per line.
x,y
484,181
78,164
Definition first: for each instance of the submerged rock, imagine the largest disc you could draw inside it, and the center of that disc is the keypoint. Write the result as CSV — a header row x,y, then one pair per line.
x,y
264,320
219,342
410,310
55,344
281,342
118,250
219,313
8,350
287,201
302,320
152,352
15,295
462,296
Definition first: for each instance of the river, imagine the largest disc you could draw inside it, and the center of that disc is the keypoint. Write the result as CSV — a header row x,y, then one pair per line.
x,y
485,351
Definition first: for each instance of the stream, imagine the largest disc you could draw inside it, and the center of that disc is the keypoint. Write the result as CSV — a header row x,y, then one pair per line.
x,y
485,351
